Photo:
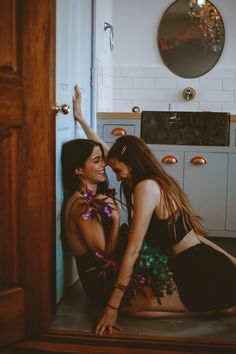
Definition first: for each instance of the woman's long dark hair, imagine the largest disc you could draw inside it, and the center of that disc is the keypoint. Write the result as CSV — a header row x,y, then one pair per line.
x,y
133,152
73,156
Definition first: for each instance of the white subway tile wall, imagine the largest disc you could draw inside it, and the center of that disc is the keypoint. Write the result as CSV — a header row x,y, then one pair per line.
x,y
155,88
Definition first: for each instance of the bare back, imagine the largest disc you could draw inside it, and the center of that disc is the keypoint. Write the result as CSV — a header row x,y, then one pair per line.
x,y
82,235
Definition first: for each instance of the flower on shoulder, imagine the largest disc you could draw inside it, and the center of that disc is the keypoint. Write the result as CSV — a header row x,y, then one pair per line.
x,y
95,207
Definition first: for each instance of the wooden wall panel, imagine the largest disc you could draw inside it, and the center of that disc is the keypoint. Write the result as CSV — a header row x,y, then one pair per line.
x,y
27,164
10,206
8,36
12,315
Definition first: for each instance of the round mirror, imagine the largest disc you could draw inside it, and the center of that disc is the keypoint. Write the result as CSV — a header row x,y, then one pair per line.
x,y
191,37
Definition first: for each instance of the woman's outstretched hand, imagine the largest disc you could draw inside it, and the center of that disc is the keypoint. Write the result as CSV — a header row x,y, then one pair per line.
x,y
107,322
77,104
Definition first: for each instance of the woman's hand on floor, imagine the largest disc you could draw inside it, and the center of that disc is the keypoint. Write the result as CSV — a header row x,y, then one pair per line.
x,y
107,322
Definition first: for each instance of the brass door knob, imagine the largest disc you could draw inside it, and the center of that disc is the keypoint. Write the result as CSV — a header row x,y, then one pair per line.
x,y
169,159
198,160
63,108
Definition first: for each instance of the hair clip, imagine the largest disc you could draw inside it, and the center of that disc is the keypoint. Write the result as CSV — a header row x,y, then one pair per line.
x,y
123,150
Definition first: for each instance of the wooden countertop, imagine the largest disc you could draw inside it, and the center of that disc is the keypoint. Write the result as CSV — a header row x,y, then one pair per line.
x,y
131,115
233,118
119,115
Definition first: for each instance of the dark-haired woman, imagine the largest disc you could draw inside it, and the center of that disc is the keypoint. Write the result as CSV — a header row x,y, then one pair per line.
x,y
85,187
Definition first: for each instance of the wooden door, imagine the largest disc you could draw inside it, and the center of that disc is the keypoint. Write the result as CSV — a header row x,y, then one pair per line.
x,y
27,147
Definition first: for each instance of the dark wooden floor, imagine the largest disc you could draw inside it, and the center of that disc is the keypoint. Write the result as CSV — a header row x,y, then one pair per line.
x,y
75,313
71,332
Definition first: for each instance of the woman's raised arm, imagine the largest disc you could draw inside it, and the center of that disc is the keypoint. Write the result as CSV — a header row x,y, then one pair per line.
x,y
84,124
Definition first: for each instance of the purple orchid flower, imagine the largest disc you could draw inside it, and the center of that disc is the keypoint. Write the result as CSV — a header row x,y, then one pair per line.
x,y
89,195
107,210
87,215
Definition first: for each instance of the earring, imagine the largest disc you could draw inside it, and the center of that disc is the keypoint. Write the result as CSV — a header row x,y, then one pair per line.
x,y
78,172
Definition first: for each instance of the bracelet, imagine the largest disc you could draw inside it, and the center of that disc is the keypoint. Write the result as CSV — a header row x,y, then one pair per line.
x,y
112,307
120,287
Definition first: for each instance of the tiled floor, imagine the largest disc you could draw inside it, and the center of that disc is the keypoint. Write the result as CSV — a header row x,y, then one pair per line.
x,y
74,312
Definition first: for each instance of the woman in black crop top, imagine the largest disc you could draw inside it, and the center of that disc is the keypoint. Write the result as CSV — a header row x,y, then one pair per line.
x,y
160,213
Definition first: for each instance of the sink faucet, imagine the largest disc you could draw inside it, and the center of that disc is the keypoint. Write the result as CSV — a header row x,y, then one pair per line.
x,y
172,116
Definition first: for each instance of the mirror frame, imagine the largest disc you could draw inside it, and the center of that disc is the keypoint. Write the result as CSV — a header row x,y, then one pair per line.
x,y
187,52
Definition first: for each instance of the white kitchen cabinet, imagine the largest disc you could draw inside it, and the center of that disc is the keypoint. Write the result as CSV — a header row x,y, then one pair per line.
x,y
206,186
231,194
172,162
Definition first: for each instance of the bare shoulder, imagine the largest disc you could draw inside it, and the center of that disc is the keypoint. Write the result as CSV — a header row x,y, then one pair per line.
x,y
147,197
147,189
148,186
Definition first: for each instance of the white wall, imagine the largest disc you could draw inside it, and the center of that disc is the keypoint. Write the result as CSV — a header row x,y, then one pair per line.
x,y
139,75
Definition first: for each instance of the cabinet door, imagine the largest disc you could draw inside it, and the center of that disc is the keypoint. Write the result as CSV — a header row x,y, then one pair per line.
x,y
206,186
110,129
231,194
172,162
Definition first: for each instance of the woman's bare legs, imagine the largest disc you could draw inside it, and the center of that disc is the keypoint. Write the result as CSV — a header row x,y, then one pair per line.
x,y
144,304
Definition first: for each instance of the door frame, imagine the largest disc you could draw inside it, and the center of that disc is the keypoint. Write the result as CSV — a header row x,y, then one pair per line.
x,y
40,296
39,265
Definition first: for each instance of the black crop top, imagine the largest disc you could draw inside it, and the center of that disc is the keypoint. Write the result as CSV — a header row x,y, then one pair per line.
x,y
161,233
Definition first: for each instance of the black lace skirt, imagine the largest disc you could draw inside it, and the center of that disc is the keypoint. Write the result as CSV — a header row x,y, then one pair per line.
x,y
97,282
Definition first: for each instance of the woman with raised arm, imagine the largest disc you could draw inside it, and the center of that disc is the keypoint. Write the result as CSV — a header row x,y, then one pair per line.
x,y
91,216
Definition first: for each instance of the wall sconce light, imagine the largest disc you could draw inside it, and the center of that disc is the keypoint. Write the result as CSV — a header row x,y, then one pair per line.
x,y
108,26
189,93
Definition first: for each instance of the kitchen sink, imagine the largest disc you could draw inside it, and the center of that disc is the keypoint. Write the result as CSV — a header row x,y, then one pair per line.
x,y
185,128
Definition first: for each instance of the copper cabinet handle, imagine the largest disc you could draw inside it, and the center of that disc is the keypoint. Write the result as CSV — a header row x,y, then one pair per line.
x,y
119,131
169,159
198,160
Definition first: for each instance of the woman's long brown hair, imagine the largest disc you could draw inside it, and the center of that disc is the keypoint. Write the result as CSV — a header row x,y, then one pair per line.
x,y
133,152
